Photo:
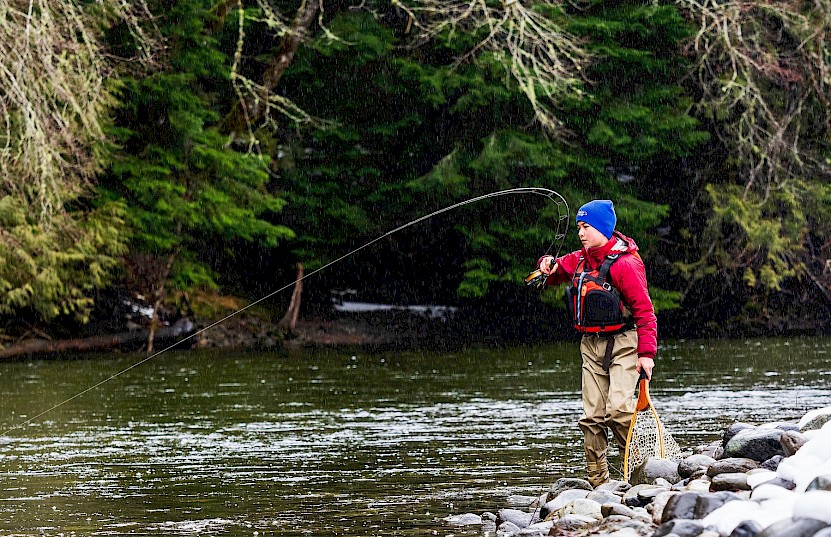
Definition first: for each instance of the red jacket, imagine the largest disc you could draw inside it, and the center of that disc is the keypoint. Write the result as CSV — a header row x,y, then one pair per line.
x,y
628,276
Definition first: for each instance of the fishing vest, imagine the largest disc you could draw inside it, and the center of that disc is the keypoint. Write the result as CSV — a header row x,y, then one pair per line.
x,y
594,306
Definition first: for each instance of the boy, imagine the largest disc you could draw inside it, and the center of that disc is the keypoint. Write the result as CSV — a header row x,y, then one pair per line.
x,y
619,340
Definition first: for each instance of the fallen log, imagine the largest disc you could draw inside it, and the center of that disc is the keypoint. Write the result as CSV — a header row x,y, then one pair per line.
x,y
180,329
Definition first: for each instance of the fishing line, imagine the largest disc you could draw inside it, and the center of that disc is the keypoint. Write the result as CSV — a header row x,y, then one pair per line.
x,y
552,195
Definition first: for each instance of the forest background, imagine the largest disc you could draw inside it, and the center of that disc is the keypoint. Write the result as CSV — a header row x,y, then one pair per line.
x,y
184,155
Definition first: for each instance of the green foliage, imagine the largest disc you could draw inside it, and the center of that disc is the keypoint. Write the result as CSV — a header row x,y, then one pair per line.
x,y
53,270
184,186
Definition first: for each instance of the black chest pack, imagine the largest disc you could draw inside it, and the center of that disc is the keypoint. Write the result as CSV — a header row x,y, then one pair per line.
x,y
594,306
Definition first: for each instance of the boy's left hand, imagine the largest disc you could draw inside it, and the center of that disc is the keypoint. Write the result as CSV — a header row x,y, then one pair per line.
x,y
646,364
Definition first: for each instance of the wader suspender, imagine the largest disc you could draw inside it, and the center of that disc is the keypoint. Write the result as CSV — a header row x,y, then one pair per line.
x,y
610,340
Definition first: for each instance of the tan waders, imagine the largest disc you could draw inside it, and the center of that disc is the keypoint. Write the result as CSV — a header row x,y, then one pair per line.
x,y
607,396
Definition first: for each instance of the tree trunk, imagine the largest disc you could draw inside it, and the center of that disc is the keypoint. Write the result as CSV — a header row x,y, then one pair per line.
x,y
248,112
181,328
288,323
159,295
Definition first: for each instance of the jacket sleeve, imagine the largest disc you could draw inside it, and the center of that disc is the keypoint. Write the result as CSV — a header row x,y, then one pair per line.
x,y
566,265
628,276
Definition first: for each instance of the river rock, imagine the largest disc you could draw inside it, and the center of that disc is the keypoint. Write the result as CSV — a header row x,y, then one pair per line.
x,y
568,483
582,507
698,485
519,500
707,503
658,504
815,419
540,528
641,495
791,442
822,482
814,505
522,519
693,464
506,529
772,463
572,523
757,444
467,519
653,469
679,527
609,509
621,526
614,486
731,481
603,497
747,528
487,515
714,450
733,430
561,500
757,476
680,506
804,527
766,491
731,465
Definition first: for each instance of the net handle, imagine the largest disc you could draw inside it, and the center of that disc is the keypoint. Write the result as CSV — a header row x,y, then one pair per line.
x,y
643,392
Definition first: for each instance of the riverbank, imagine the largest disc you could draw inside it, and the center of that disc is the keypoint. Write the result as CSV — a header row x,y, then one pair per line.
x,y
770,480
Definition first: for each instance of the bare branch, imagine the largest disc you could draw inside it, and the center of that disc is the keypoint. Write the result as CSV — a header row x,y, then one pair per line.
x,y
544,59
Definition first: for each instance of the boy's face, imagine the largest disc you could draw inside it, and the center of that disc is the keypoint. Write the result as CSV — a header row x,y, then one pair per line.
x,y
589,236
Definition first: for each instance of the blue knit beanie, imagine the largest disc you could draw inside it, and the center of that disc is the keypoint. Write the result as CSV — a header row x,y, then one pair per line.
x,y
599,214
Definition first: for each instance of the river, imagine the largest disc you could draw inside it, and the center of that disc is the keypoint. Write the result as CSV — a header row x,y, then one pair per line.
x,y
338,442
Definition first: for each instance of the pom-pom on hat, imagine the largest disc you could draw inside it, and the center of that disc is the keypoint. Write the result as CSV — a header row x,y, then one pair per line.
x,y
599,214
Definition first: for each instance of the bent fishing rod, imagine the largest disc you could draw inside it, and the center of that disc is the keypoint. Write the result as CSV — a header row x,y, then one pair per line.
x,y
553,196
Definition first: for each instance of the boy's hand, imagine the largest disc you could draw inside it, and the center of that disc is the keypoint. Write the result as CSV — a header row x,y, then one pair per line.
x,y
645,364
547,265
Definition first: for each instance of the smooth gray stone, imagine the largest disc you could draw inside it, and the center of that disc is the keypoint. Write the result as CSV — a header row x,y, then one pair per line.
x,y
568,483
603,497
561,500
538,529
653,469
515,516
816,423
574,522
507,528
487,515
801,527
680,527
521,500
634,498
734,481
757,444
748,528
707,503
733,430
780,482
693,464
609,509
772,463
614,486
822,482
680,506
791,442
712,450
731,465
616,523
788,426
467,519
658,504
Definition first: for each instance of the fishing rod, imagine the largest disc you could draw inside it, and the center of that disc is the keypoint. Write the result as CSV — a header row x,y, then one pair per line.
x,y
562,219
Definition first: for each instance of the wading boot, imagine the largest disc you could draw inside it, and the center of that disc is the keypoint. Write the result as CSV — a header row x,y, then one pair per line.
x,y
598,472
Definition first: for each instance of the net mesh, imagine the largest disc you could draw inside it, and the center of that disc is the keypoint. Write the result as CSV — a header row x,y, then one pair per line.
x,y
648,439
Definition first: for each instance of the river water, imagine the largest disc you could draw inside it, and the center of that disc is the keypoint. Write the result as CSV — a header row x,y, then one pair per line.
x,y
343,443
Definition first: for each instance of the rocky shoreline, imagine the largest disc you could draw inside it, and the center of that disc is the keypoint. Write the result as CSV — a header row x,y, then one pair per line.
x,y
770,480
